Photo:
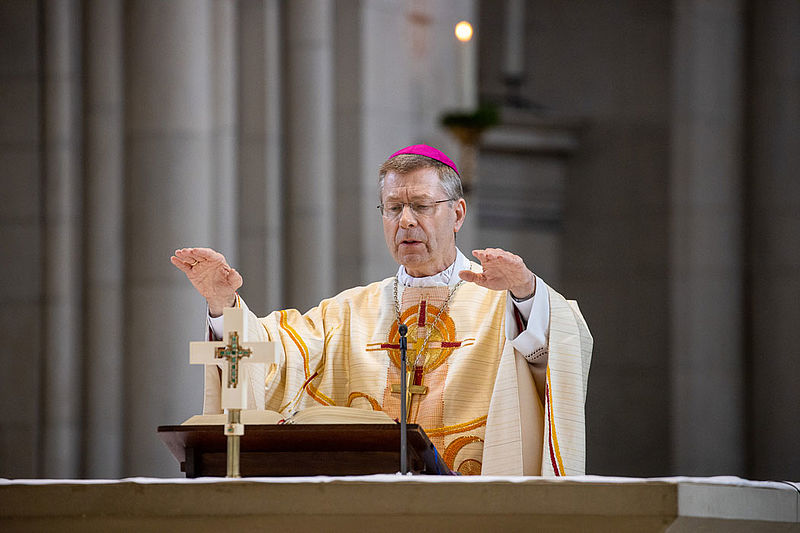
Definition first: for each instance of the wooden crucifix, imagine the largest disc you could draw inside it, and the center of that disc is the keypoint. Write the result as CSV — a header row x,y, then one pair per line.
x,y
234,354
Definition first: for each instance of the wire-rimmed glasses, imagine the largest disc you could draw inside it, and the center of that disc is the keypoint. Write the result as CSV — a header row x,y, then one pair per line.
x,y
393,210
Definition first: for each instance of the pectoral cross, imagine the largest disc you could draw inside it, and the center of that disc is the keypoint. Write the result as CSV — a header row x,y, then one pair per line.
x,y
238,355
414,386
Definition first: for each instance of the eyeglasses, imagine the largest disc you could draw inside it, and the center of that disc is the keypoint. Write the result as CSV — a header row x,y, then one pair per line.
x,y
393,210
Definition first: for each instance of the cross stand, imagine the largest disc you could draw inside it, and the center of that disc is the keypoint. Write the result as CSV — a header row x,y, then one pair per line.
x,y
234,429
237,356
403,329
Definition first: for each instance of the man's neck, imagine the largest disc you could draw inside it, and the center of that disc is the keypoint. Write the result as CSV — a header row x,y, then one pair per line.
x,y
433,271
445,277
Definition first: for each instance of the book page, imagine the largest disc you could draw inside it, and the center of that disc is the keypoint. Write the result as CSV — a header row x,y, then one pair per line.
x,y
324,414
249,417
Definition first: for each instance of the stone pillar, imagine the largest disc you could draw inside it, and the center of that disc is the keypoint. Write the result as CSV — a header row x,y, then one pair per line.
x,y
104,247
391,78
775,246
62,247
225,227
261,155
21,247
405,79
523,185
706,243
310,199
349,125
167,205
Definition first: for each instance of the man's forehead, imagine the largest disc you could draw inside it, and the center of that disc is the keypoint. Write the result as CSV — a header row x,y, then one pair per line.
x,y
412,191
414,183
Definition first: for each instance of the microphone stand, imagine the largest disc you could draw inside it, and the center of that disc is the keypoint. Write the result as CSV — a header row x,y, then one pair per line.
x,y
403,330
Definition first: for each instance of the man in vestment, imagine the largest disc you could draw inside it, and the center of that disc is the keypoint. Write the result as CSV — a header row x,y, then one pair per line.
x,y
498,361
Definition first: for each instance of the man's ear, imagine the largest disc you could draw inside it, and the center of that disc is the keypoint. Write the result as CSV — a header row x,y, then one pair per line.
x,y
461,212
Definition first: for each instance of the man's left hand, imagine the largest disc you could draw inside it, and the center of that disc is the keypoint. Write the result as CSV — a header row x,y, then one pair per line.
x,y
502,271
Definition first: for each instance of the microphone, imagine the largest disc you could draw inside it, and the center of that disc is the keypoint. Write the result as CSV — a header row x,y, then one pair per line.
x,y
403,330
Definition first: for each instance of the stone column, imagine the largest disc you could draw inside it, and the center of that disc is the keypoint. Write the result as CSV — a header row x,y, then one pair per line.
x,y
225,227
775,246
62,247
310,199
406,77
103,339
706,243
348,70
261,155
523,187
21,247
393,75
167,204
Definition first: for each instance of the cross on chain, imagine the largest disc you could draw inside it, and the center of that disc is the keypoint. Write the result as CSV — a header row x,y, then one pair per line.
x,y
414,385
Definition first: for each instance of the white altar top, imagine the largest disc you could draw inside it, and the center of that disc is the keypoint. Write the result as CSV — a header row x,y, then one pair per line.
x,y
397,503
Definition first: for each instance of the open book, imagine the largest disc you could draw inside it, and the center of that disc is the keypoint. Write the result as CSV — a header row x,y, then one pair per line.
x,y
321,414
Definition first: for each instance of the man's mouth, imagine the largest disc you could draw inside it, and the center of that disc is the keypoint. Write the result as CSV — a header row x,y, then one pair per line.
x,y
410,242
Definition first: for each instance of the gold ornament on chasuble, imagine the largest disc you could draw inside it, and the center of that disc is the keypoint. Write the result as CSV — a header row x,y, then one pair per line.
x,y
453,351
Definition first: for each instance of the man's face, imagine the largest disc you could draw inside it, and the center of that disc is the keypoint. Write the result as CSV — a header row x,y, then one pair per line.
x,y
424,245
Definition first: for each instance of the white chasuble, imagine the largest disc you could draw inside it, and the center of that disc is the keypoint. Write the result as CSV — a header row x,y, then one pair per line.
x,y
479,407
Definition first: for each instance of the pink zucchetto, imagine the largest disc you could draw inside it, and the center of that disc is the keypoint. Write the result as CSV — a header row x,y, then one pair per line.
x,y
427,151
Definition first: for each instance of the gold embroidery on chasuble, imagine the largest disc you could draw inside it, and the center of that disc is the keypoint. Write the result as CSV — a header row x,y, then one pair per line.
x,y
458,365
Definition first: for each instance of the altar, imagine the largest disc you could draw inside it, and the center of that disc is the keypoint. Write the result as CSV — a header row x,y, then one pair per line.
x,y
401,503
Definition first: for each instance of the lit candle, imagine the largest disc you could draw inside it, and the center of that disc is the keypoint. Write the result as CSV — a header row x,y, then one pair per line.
x,y
467,63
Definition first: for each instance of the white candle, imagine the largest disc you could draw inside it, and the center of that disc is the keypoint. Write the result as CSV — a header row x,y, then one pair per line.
x,y
467,62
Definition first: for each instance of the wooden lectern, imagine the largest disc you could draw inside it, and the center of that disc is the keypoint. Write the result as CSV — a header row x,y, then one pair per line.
x,y
303,450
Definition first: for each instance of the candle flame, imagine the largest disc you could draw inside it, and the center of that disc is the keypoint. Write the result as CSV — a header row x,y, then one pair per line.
x,y
464,31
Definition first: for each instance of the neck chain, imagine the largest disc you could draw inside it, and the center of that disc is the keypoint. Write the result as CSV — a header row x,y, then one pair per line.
x,y
428,330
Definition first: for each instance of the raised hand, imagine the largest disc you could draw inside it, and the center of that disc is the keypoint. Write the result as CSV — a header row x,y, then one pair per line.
x,y
211,275
502,271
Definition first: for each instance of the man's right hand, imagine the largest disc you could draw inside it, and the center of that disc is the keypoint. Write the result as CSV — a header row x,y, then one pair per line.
x,y
211,275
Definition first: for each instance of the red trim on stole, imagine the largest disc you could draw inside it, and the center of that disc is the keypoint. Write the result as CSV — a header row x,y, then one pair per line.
x,y
550,430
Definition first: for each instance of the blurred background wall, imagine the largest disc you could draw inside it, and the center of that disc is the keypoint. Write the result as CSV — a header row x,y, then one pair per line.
x,y
644,164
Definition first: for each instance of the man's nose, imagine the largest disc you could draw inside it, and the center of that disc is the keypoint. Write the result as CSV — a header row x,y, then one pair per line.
x,y
407,217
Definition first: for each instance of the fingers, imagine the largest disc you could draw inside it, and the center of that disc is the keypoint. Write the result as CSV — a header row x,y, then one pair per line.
x,y
232,276
502,270
192,256
495,254
468,275
187,256
207,254
235,279
182,265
